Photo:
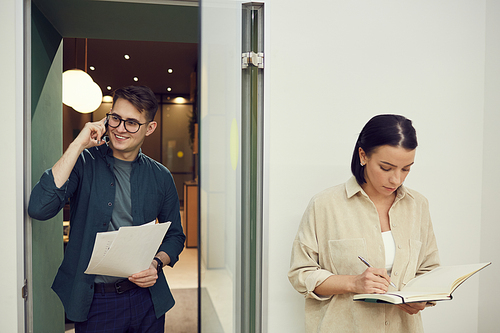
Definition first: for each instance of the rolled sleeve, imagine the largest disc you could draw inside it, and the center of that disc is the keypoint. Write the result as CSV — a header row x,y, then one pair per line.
x,y
305,273
313,280
46,199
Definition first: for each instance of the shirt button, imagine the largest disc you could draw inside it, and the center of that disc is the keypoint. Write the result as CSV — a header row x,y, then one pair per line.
x,y
110,204
396,273
386,323
399,246
394,224
112,184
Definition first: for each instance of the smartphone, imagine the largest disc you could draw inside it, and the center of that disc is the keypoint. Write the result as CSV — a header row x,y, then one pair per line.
x,y
104,136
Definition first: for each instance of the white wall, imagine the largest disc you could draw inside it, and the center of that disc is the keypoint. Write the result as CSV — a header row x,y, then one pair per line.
x,y
489,302
11,168
330,66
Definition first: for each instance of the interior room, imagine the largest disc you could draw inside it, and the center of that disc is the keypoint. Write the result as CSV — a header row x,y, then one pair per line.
x,y
169,69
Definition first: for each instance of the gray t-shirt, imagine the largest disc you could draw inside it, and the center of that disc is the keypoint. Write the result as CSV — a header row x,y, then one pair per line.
x,y
122,210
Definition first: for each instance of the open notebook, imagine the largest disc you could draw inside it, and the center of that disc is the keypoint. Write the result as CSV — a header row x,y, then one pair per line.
x,y
436,285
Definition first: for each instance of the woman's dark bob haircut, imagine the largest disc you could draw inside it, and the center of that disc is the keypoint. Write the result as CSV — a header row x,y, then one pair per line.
x,y
386,129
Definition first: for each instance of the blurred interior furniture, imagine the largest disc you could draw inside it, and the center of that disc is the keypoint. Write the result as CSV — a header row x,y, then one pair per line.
x,y
191,213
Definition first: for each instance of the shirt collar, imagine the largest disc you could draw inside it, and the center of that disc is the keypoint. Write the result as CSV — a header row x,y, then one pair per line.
x,y
402,192
107,153
352,188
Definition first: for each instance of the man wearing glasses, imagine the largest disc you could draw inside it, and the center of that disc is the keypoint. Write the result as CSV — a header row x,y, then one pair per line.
x,y
109,185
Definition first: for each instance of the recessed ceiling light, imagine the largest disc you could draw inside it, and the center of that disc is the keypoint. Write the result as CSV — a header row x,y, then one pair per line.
x,y
107,99
136,78
180,100
92,68
126,56
108,87
169,89
170,70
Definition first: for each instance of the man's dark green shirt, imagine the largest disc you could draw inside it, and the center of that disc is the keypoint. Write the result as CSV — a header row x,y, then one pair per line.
x,y
91,193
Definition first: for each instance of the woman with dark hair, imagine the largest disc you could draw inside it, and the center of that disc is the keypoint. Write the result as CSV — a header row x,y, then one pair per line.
x,y
372,215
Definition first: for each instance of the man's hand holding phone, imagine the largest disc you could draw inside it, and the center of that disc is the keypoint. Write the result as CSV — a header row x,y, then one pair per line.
x,y
92,134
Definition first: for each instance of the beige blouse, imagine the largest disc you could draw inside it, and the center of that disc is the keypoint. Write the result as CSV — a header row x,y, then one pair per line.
x,y
340,224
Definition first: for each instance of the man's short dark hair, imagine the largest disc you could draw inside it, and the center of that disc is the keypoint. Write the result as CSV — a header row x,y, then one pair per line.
x,y
142,97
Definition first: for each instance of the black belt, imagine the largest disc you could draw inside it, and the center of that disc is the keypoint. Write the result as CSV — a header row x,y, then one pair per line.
x,y
118,287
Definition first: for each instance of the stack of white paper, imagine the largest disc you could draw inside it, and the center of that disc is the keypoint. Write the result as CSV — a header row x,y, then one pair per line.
x,y
127,251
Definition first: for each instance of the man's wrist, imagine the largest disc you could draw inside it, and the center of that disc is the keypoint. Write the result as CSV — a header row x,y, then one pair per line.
x,y
79,147
159,264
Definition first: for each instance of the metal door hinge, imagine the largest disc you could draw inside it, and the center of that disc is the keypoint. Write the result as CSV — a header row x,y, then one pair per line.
x,y
256,59
24,290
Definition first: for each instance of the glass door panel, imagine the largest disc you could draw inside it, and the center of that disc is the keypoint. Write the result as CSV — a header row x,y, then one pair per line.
x,y
231,104
220,167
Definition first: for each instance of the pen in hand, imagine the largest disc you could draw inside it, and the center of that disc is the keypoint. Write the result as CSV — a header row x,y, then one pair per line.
x,y
368,264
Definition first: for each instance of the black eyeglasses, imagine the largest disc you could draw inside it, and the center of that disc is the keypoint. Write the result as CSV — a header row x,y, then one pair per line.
x,y
131,126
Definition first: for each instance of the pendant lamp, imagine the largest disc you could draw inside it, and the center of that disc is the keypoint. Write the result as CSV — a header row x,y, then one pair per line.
x,y
79,89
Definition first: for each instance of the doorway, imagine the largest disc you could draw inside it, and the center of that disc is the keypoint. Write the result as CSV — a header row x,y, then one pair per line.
x,y
221,294
143,23
172,144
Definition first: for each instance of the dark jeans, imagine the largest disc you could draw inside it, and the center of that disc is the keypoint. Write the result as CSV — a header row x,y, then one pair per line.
x,y
129,312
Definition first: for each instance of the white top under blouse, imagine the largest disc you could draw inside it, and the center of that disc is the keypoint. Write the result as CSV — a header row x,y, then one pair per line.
x,y
390,250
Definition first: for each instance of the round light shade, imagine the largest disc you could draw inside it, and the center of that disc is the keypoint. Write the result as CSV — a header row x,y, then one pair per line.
x,y
80,92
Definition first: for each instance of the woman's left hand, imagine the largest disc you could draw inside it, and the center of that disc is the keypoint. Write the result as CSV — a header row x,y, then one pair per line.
x,y
412,308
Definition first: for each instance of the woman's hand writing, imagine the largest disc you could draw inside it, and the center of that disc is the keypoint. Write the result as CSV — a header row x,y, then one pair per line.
x,y
372,281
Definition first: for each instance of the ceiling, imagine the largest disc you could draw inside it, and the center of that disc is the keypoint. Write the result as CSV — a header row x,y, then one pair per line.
x,y
149,62
157,35
131,20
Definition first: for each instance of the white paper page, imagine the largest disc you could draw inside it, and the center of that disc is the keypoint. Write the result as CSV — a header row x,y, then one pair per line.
x,y
103,242
131,251
439,279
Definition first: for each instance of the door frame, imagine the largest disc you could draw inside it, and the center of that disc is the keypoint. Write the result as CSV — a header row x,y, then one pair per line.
x,y
28,311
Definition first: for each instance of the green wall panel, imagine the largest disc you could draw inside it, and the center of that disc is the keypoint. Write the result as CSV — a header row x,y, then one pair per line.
x,y
45,41
122,20
46,147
